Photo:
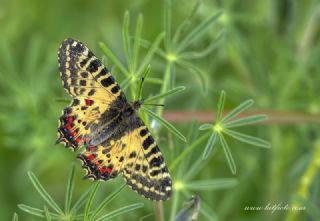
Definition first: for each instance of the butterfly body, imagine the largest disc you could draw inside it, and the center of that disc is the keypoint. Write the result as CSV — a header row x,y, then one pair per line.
x,y
116,121
101,119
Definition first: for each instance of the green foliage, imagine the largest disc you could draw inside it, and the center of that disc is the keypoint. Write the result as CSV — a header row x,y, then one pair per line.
x,y
15,217
179,54
90,214
224,125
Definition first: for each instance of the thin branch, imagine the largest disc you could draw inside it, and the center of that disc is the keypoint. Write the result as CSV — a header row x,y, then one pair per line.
x,y
274,117
159,211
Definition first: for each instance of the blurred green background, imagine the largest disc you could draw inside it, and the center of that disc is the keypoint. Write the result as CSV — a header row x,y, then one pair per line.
x,y
270,52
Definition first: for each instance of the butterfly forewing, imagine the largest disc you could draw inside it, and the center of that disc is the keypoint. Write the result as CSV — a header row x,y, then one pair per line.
x,y
93,89
116,142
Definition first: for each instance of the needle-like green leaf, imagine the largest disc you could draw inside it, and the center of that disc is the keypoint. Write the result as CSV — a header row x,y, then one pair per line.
x,y
142,81
113,59
206,127
245,121
228,154
154,80
46,213
31,210
121,211
136,42
81,201
153,48
213,184
247,139
198,31
196,55
15,217
70,186
165,94
201,77
166,124
209,146
126,40
43,193
167,23
105,202
90,201
220,106
36,211
235,112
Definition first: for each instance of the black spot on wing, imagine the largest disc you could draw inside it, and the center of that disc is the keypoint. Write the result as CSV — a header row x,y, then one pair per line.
x,y
93,66
147,142
143,132
83,83
133,154
91,92
75,102
115,89
144,168
153,151
84,62
67,110
106,82
156,161
84,74
103,72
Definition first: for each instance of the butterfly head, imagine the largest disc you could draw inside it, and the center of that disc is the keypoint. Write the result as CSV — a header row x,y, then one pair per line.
x,y
137,104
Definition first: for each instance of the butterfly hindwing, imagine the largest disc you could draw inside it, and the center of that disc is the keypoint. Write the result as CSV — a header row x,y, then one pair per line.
x,y
93,89
145,170
137,157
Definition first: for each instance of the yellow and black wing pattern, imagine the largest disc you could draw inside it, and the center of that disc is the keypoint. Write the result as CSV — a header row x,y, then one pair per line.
x,y
92,87
137,156
116,140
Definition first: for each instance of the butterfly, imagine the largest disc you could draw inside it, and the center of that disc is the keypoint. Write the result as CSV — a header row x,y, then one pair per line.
x,y
101,119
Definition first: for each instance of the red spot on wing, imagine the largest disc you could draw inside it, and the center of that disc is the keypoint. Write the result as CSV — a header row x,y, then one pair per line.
x,y
90,157
97,164
108,170
68,126
70,119
89,102
92,148
101,170
74,133
78,140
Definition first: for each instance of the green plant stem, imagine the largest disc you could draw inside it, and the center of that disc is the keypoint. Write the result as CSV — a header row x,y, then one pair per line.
x,y
158,207
306,181
69,191
15,217
164,88
90,200
174,205
274,117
